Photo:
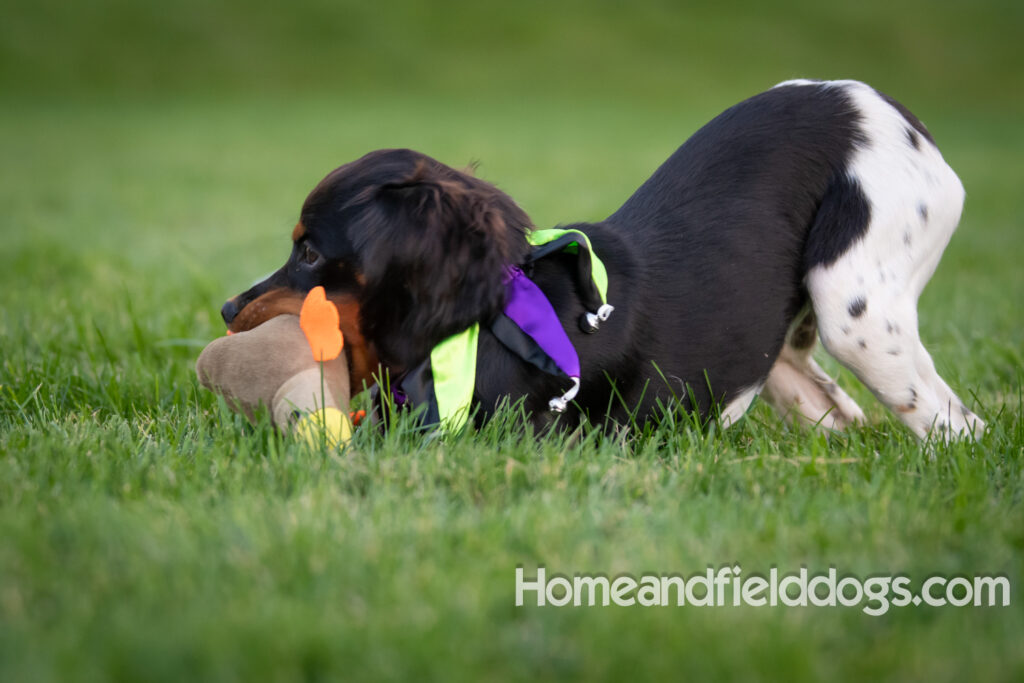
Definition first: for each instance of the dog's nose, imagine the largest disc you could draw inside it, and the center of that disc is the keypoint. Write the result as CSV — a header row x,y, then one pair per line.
x,y
228,311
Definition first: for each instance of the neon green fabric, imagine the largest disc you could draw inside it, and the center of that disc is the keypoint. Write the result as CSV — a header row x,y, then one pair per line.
x,y
453,361
597,269
453,365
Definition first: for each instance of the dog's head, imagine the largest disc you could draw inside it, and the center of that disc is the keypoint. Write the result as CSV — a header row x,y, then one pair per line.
x,y
412,251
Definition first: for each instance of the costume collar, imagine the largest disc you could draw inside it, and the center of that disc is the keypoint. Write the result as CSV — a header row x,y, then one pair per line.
x,y
528,326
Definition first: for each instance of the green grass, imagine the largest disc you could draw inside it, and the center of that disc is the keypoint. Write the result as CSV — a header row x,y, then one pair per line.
x,y
153,162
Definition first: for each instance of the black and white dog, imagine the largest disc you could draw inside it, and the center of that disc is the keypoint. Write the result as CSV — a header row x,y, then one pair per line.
x,y
813,208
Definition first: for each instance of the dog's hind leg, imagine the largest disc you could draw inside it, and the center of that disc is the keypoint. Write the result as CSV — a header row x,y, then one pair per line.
x,y
799,390
882,348
865,298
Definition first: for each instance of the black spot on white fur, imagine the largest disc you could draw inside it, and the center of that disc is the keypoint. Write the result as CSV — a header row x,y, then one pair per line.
x,y
907,240
913,138
922,211
911,405
857,307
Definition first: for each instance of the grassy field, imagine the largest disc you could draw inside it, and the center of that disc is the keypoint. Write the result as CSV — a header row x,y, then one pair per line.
x,y
152,162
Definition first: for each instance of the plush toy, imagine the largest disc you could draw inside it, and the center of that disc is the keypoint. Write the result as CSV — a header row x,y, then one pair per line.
x,y
291,364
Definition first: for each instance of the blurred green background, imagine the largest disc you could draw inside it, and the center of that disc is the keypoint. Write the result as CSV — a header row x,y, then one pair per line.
x,y
663,53
153,158
155,128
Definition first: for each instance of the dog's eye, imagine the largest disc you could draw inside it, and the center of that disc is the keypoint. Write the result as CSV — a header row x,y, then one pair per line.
x,y
309,255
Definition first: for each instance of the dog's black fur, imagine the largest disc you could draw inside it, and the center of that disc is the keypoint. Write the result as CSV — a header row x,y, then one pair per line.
x,y
705,261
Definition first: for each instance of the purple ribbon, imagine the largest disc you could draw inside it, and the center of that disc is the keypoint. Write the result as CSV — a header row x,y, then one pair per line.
x,y
528,308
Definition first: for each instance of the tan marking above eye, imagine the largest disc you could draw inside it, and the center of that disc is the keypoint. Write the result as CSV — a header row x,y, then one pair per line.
x,y
298,232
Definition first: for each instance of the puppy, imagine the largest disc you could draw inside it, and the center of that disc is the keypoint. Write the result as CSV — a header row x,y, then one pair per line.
x,y
813,209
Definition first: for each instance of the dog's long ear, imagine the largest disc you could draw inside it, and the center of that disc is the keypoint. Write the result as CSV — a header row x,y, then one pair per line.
x,y
437,244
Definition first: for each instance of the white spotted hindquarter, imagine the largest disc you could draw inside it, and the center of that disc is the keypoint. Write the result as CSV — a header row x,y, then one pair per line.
x,y
866,301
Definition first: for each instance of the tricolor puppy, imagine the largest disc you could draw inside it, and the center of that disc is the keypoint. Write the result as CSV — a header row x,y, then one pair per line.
x,y
813,209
